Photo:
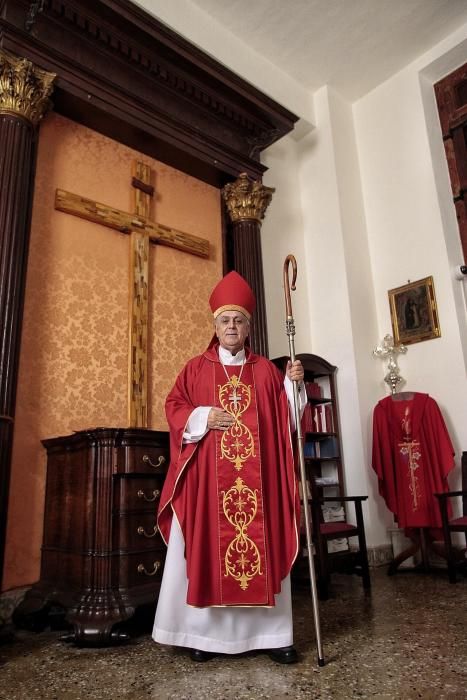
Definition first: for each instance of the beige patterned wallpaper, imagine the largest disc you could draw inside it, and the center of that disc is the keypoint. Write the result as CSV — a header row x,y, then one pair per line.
x,y
74,365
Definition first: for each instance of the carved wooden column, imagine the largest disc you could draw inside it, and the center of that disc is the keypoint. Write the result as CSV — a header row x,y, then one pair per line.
x,y
247,201
24,91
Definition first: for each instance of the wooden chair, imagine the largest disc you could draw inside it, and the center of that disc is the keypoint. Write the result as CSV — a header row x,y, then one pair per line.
x,y
453,556
323,532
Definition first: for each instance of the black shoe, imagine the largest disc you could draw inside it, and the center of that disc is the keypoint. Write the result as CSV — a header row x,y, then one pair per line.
x,y
198,655
284,655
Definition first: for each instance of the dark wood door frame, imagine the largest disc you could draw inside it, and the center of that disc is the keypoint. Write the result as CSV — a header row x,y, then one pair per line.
x,y
451,97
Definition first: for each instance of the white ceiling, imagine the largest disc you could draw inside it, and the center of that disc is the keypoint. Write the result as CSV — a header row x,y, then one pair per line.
x,y
351,45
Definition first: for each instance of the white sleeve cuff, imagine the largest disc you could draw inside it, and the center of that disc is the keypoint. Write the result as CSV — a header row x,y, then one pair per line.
x,y
197,424
302,399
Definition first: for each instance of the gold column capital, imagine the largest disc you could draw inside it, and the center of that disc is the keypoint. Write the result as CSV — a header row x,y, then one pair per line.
x,y
246,198
24,88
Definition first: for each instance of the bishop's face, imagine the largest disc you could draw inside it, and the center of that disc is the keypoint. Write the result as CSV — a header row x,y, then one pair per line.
x,y
232,329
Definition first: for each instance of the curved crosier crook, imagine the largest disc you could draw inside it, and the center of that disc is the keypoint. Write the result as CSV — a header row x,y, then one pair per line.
x,y
290,259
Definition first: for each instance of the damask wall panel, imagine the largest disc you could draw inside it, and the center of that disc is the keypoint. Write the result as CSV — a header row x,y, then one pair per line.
x,y
181,285
74,353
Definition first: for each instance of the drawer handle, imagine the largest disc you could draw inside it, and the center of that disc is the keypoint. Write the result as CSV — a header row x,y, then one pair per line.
x,y
142,531
160,461
155,495
142,569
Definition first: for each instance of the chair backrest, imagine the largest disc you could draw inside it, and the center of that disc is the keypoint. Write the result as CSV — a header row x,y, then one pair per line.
x,y
464,482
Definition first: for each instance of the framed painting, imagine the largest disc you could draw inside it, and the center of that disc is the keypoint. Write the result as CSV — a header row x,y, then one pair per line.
x,y
414,314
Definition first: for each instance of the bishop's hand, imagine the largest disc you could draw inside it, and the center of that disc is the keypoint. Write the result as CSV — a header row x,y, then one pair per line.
x,y
295,371
219,419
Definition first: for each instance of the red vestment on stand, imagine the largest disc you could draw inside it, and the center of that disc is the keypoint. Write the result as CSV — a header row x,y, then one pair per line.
x,y
412,456
235,492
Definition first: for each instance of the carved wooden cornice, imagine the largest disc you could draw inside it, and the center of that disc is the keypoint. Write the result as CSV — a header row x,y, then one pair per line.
x,y
247,199
24,88
125,74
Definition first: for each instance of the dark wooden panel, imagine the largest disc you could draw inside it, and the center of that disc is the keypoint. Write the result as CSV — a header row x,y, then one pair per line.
x,y
146,458
17,162
141,569
451,97
68,528
125,74
248,262
63,569
138,532
139,492
102,554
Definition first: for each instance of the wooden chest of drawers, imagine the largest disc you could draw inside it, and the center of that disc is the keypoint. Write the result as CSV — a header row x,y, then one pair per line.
x,y
102,555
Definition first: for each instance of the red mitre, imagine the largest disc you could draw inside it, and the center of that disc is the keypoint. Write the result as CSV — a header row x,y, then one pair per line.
x,y
232,293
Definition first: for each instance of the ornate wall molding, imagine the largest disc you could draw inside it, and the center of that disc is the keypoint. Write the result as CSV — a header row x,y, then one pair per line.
x,y
126,75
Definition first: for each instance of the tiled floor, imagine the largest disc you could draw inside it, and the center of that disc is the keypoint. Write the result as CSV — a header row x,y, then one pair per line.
x,y
407,640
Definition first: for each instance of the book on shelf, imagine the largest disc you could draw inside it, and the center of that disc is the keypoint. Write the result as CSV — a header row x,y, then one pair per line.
x,y
311,449
326,448
328,418
313,390
329,448
317,419
307,419
326,481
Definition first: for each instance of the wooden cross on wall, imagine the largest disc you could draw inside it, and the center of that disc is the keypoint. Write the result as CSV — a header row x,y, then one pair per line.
x,y
142,232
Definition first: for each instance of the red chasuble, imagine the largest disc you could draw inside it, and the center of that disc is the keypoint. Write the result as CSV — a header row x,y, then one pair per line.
x,y
234,492
412,456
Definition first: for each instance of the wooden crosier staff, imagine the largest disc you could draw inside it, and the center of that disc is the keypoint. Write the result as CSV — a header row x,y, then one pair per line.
x,y
290,330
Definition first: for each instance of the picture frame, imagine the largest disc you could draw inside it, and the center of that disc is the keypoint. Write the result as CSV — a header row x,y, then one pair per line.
x,y
414,313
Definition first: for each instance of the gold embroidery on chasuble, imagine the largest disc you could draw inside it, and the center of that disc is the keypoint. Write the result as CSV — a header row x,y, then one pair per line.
x,y
239,487
237,443
242,558
410,449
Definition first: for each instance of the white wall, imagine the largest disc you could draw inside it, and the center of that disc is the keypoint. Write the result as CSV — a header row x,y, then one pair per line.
x,y
227,48
376,209
411,222
322,181
281,235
